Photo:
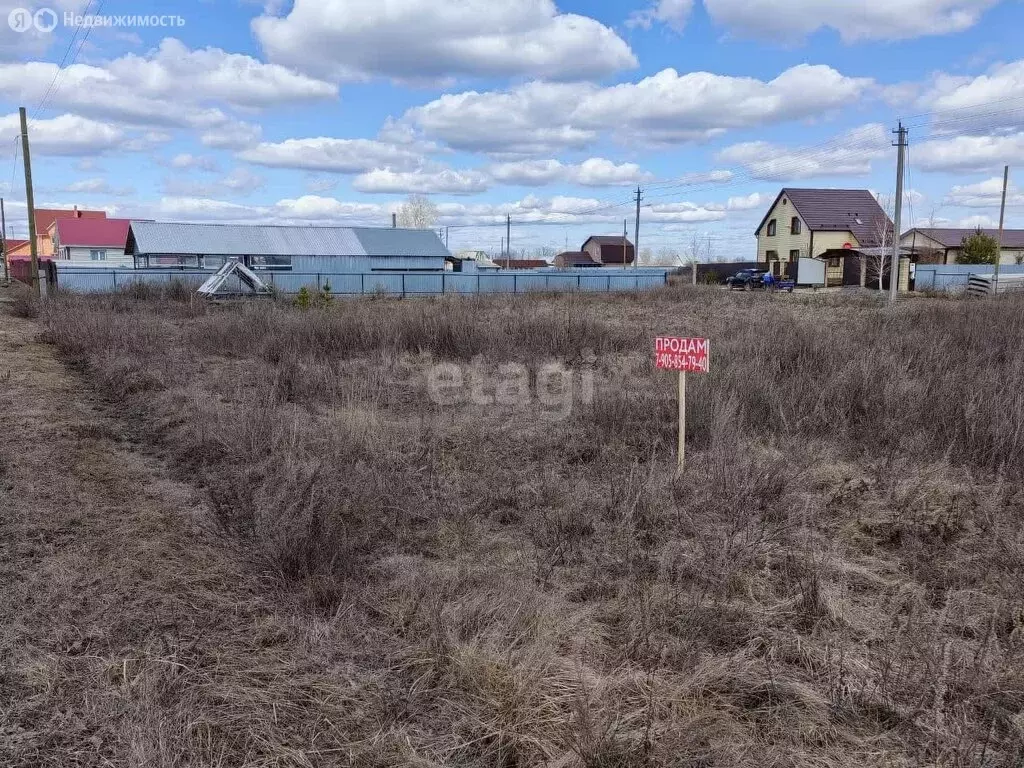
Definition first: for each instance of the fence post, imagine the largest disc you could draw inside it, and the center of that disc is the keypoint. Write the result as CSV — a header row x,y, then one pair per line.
x,y
114,275
478,283
403,285
579,282
515,283
609,284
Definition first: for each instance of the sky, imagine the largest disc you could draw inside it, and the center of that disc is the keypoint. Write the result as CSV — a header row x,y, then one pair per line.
x,y
335,111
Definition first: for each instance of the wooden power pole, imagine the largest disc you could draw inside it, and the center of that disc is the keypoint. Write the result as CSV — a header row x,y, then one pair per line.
x,y
1002,219
30,201
3,238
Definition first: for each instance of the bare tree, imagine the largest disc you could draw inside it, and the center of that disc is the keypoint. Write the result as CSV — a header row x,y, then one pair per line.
x,y
417,212
874,266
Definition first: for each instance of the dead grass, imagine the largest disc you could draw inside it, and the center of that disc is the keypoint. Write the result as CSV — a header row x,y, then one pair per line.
x,y
834,582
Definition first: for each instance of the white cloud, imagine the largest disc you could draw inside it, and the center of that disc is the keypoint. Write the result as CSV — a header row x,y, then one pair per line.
x,y
594,172
985,194
681,213
186,161
170,87
333,155
747,202
240,181
66,135
96,186
532,119
969,154
979,104
231,134
424,40
970,222
854,20
849,155
666,108
706,177
671,13
447,180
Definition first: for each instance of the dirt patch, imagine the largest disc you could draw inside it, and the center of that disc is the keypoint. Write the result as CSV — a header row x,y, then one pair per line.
x,y
128,637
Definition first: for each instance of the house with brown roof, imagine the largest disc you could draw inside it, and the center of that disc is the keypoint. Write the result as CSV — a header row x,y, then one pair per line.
x,y
571,259
609,250
942,246
815,222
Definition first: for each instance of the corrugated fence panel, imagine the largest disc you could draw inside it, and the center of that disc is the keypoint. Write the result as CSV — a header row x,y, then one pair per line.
x,y
955,277
392,283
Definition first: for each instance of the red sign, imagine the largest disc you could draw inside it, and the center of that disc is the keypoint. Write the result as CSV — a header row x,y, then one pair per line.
x,y
847,246
686,355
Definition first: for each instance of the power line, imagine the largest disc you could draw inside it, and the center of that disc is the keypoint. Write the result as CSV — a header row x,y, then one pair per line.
x,y
54,85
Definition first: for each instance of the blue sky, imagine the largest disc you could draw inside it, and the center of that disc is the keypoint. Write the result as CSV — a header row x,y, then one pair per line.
x,y
334,111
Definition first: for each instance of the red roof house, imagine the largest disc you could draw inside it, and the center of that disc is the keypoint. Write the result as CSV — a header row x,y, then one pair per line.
x,y
88,239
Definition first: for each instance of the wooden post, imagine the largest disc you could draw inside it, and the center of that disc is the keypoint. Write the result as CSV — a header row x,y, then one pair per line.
x,y
682,421
30,201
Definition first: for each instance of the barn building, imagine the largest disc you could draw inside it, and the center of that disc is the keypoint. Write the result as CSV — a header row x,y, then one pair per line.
x,y
323,250
609,250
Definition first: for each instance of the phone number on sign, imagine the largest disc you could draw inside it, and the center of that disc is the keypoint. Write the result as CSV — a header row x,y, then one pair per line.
x,y
684,363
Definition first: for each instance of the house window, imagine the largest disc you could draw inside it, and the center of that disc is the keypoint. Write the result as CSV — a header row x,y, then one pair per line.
x,y
771,255
772,227
156,261
270,262
794,255
97,255
835,263
794,228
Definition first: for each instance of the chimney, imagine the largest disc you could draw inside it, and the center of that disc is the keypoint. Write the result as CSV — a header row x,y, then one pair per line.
x,y
394,221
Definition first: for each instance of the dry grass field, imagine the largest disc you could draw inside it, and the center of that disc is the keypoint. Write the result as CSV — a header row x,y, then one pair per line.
x,y
256,535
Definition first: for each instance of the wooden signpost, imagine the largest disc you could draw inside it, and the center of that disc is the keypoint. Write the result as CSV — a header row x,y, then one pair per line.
x,y
685,356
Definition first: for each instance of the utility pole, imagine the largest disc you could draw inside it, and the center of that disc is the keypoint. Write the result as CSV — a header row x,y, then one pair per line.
x,y
894,268
446,237
1002,218
30,201
508,238
636,238
3,238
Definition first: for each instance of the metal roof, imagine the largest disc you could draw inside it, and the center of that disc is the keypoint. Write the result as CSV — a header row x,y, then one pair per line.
x,y
836,210
380,241
263,240
953,238
86,232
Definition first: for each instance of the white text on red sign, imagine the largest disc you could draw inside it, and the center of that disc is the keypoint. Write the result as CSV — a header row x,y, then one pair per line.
x,y
681,354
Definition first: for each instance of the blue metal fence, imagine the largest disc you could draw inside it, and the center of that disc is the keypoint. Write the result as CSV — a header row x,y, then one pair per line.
x,y
394,284
954,277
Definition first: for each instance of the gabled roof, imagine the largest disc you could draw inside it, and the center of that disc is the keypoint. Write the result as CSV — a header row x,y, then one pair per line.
x,y
952,238
46,216
262,240
835,210
605,240
574,259
12,244
108,233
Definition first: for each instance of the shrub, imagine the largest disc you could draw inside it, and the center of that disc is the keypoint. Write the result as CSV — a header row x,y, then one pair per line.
x,y
978,248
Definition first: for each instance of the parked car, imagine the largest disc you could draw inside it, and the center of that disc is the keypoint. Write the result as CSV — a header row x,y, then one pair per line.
x,y
745,279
